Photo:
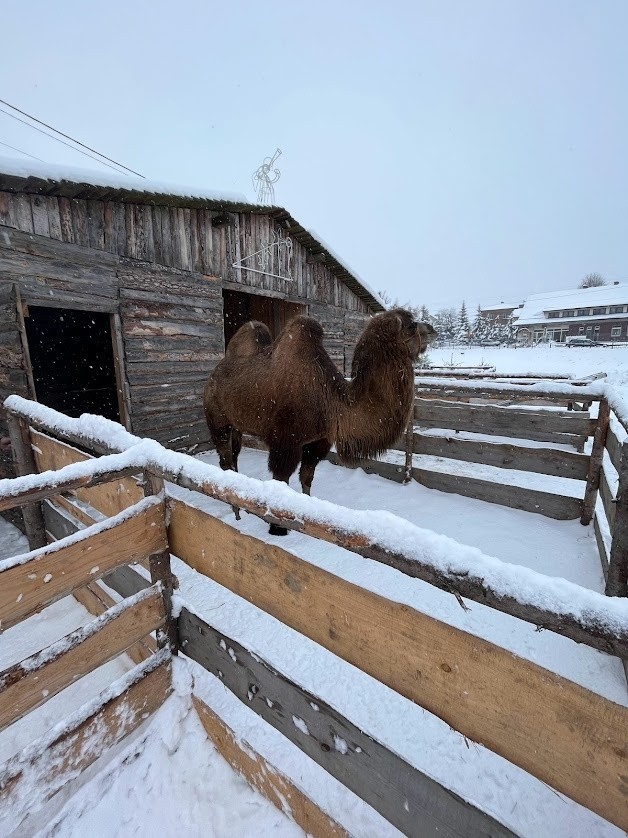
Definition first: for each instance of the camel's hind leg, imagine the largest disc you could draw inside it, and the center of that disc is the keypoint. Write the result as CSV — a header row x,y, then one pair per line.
x,y
283,460
313,453
222,439
236,447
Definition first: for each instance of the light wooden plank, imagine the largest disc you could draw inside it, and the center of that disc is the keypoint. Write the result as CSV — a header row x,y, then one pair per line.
x,y
110,499
33,777
266,779
28,684
595,463
412,801
613,446
56,571
561,733
96,600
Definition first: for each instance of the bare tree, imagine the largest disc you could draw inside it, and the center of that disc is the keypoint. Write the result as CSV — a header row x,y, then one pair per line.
x,y
592,281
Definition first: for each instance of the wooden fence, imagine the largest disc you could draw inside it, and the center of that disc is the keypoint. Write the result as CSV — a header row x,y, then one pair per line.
x,y
568,737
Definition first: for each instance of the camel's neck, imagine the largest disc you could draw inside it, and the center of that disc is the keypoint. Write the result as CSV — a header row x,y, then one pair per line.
x,y
379,400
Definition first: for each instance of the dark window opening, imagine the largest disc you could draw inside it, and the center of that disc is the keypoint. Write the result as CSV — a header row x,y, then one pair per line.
x,y
239,308
72,359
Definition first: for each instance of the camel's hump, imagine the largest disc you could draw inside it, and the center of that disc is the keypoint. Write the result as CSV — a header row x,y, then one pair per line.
x,y
250,339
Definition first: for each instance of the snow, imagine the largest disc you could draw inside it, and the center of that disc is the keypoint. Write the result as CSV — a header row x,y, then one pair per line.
x,y
133,794
58,174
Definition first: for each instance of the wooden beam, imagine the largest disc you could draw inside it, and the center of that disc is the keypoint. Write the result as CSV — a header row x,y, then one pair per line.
x,y
519,392
608,500
601,546
613,446
410,800
25,464
595,463
504,455
57,570
31,778
51,454
617,580
33,495
96,600
266,779
543,426
26,685
556,730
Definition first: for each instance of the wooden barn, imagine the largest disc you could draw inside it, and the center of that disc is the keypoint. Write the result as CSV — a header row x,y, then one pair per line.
x,y
118,298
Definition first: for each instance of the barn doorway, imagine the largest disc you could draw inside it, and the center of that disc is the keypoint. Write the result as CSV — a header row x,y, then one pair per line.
x,y
239,308
72,359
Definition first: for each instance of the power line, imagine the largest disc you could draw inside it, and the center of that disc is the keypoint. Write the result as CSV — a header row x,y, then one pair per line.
x,y
52,137
67,136
13,148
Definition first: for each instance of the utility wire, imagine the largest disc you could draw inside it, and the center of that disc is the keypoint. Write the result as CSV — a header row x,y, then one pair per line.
x,y
13,148
67,136
52,137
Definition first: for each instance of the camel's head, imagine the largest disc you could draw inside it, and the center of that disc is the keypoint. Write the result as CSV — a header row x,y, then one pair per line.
x,y
399,324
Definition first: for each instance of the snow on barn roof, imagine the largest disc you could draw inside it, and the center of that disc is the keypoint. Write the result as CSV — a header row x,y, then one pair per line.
x,y
69,182
571,299
500,307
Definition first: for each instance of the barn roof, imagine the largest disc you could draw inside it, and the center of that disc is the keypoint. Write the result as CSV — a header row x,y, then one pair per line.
x,y
44,179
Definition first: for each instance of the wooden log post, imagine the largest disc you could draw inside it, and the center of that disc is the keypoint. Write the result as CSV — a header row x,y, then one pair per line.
x,y
161,571
25,464
617,579
595,463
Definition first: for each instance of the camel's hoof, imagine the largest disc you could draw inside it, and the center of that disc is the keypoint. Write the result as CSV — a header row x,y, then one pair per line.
x,y
275,530
236,512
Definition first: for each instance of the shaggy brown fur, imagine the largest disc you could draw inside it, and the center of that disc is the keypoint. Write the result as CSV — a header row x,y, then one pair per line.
x,y
291,395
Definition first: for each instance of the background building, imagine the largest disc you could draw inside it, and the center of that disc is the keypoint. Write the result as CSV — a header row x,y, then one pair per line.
x,y
600,314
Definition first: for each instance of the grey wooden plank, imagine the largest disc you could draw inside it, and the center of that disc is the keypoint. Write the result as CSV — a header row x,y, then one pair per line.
x,y
617,581
413,802
613,446
503,455
39,207
608,500
601,546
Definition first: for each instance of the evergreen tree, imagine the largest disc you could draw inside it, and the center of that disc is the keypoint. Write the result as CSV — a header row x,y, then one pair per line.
x,y
424,315
463,328
480,326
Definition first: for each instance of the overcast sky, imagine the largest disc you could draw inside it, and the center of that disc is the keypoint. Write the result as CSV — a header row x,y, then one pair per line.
x,y
445,150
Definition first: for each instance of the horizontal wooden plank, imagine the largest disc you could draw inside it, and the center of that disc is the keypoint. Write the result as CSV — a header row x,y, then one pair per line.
x,y
56,571
561,733
108,498
30,779
410,800
608,499
559,507
28,684
48,248
33,495
514,392
502,455
138,327
263,777
502,421
96,600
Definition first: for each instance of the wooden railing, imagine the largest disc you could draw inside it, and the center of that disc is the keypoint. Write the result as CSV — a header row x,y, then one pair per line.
x,y
29,584
568,737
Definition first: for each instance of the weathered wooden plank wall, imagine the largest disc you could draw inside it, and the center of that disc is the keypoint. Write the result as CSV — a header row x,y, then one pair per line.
x,y
161,270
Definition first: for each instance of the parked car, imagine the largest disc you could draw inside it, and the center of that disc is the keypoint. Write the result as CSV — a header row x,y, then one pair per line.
x,y
490,343
581,342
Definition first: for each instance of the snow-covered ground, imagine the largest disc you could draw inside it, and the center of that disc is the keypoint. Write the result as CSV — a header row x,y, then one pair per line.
x,y
130,801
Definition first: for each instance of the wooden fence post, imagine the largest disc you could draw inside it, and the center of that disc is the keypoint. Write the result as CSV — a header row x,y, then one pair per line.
x,y
617,579
160,571
25,464
595,464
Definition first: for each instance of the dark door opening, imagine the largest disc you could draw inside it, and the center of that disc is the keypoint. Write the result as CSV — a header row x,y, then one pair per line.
x,y
239,308
72,359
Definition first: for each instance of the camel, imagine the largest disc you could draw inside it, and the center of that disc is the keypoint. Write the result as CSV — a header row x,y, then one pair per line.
x,y
291,395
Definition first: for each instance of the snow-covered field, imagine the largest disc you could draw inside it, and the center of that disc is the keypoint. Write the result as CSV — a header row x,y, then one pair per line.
x,y
134,798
